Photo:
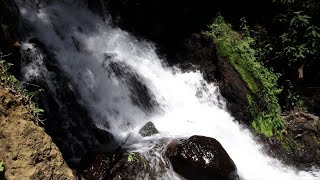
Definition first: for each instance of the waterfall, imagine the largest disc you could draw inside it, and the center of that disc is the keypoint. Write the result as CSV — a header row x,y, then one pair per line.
x,y
123,84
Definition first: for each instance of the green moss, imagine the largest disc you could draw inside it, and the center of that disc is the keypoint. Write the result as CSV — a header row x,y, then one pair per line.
x,y
261,81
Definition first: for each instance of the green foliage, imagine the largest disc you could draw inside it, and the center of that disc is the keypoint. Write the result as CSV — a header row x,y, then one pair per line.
x,y
299,37
292,43
1,166
260,80
35,109
132,157
10,81
7,78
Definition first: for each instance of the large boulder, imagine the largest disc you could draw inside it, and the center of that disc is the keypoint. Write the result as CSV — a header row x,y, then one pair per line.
x,y
114,164
202,158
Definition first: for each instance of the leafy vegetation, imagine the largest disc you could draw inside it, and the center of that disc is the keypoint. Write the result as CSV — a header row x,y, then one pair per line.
x,y
132,157
10,81
291,43
1,166
260,80
299,38
7,78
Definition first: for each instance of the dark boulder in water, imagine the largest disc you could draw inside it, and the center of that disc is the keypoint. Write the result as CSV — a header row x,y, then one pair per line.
x,y
148,130
113,164
201,158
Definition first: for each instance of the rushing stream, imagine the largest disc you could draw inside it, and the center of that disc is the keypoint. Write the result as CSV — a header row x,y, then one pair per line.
x,y
124,84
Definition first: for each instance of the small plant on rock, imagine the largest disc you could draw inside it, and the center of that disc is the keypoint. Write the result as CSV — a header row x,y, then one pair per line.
x,y
1,166
9,81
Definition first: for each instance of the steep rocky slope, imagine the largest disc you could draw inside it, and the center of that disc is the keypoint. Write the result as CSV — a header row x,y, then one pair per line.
x,y
27,151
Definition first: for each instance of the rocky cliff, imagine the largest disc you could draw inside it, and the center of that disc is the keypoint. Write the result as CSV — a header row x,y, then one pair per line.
x,y
27,151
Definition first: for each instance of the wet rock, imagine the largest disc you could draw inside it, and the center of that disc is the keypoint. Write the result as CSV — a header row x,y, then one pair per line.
x,y
98,164
201,157
115,165
148,130
301,122
132,166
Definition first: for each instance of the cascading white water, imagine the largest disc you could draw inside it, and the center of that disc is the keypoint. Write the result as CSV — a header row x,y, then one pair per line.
x,y
184,103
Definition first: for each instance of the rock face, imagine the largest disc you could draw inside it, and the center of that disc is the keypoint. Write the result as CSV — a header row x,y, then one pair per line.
x,y
148,130
201,158
28,152
115,165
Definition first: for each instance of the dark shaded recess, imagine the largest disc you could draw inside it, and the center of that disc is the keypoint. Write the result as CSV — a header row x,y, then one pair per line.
x,y
9,23
67,122
10,33
168,23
